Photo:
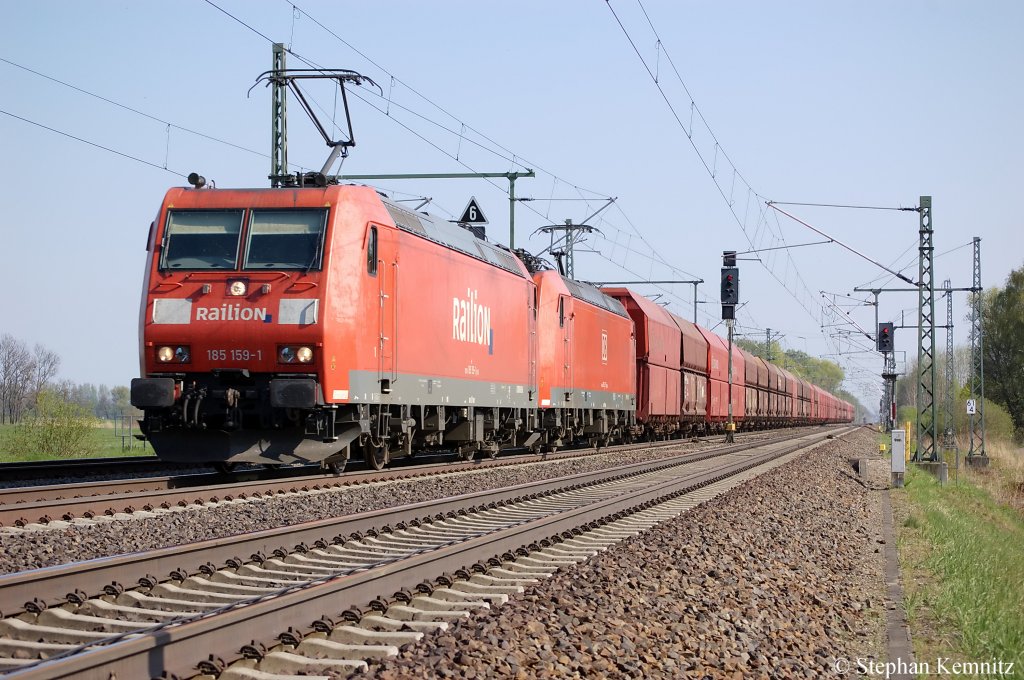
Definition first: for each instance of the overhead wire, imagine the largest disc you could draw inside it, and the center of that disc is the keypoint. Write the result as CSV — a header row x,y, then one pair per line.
x,y
712,171
515,159
95,144
429,101
839,205
134,110
898,258
504,153
221,9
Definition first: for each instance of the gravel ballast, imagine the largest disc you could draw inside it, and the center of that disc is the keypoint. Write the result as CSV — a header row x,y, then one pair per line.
x,y
779,577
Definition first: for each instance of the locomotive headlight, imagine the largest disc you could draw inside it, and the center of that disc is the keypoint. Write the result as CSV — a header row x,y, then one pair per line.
x,y
289,354
176,354
237,288
180,354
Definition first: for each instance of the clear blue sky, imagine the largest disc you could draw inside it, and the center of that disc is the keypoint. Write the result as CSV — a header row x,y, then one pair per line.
x,y
873,103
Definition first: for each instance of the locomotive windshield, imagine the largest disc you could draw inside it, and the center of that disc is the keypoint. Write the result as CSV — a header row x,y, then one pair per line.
x,y
285,239
201,239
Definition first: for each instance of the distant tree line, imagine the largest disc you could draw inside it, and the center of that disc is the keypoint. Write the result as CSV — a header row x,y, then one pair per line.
x,y
29,373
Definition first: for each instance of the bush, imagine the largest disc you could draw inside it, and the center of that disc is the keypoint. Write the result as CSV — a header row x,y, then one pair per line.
x,y
906,414
55,428
998,423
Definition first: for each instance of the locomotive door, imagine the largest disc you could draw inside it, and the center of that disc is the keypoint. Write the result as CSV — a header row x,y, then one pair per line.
x,y
565,317
531,355
387,320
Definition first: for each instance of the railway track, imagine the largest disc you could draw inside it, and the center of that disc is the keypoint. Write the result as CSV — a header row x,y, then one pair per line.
x,y
40,506
88,467
363,576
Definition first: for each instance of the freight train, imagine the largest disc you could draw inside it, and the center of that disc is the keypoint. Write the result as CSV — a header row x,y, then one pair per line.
x,y
320,323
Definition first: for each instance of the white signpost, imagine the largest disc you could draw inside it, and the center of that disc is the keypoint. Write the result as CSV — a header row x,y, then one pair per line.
x,y
972,407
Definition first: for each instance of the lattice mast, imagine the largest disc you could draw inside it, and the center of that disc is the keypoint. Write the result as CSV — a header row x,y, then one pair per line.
x,y
977,419
926,406
949,401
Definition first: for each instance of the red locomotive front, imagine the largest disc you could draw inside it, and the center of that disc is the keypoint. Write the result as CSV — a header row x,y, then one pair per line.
x,y
231,322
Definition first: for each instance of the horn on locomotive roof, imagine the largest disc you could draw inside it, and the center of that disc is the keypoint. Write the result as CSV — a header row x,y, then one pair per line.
x,y
283,79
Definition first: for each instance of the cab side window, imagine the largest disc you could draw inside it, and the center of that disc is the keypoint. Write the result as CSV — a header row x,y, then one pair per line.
x,y
371,252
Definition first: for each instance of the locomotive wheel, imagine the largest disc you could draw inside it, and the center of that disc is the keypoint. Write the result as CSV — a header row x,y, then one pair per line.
x,y
492,453
376,456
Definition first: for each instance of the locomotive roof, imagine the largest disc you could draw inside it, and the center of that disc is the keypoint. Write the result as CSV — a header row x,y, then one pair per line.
x,y
591,294
454,237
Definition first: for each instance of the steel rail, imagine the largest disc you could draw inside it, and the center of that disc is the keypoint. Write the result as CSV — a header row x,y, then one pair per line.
x,y
43,504
92,467
52,498
50,586
37,469
171,649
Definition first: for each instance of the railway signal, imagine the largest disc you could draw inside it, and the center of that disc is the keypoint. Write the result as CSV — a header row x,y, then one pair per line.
x,y
730,293
884,340
730,286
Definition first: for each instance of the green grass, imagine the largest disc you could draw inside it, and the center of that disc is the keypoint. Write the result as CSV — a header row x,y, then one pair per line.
x,y
104,445
963,559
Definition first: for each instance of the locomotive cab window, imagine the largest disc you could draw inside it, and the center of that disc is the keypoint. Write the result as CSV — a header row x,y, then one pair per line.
x,y
201,239
285,239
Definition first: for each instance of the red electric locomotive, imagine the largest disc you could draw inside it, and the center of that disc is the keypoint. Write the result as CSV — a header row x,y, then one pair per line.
x,y
587,377
293,324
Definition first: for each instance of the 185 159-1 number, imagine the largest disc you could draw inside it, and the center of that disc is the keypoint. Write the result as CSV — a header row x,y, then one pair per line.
x,y
234,355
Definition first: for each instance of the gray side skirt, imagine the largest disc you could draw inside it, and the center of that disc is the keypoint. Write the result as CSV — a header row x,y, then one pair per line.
x,y
406,388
